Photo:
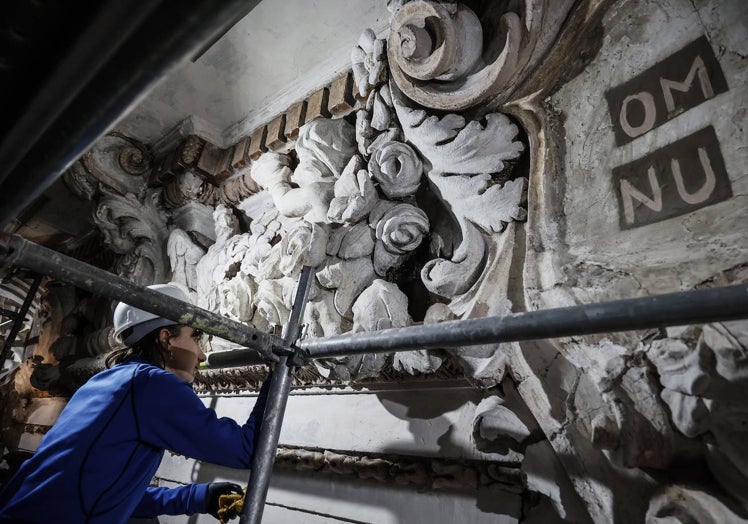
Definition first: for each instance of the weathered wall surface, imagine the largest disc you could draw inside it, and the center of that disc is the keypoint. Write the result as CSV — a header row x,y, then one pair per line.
x,y
599,245
645,193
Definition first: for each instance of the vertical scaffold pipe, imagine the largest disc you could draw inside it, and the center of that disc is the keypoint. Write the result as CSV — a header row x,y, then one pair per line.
x,y
267,445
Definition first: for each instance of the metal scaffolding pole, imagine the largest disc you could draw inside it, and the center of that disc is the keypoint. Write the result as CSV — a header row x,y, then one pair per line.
x,y
19,318
672,309
16,251
280,387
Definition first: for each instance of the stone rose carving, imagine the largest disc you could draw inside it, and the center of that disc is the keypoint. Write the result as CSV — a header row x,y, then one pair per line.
x,y
399,229
397,168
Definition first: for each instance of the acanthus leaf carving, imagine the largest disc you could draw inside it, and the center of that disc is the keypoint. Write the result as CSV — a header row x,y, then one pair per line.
x,y
450,142
137,231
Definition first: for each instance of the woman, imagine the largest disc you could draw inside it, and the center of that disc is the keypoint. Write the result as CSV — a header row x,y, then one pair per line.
x,y
94,465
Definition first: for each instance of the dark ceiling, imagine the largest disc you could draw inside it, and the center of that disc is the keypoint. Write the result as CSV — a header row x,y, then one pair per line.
x,y
69,70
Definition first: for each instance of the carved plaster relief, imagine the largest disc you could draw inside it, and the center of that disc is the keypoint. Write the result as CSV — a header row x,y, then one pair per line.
x,y
137,231
119,163
446,56
683,504
704,376
400,199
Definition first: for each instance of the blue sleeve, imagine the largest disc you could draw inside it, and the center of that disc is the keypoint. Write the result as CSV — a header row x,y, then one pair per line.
x,y
184,500
171,416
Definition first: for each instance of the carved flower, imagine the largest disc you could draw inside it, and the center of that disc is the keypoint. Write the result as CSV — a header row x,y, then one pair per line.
x,y
304,245
368,61
399,229
355,194
397,168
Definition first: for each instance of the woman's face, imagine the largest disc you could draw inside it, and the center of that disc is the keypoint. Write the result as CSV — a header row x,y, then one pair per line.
x,y
184,352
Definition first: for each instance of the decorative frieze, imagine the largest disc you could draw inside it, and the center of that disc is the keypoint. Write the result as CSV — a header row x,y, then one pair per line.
x,y
413,472
250,378
295,118
197,155
276,133
341,100
438,193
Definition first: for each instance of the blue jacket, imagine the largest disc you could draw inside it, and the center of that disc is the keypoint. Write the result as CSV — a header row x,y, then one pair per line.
x,y
94,465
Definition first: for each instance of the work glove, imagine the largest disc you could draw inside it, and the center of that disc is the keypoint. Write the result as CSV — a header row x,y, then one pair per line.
x,y
215,490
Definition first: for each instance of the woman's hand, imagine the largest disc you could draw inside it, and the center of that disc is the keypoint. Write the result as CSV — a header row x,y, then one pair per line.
x,y
215,490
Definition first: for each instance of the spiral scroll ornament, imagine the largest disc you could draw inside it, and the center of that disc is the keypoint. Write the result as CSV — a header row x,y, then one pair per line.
x,y
447,57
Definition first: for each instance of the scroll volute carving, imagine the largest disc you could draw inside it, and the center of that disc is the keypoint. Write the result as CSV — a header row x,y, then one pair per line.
x,y
446,56
116,163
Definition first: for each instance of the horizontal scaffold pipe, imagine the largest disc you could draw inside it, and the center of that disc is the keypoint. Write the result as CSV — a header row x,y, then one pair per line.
x,y
672,309
16,251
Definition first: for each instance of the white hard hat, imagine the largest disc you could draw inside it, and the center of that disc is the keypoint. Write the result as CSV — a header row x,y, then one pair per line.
x,y
143,322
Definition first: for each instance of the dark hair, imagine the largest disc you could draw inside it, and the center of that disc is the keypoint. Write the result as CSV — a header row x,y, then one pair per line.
x,y
148,348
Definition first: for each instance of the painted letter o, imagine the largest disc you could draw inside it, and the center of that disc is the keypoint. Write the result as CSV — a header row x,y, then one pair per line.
x,y
650,112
